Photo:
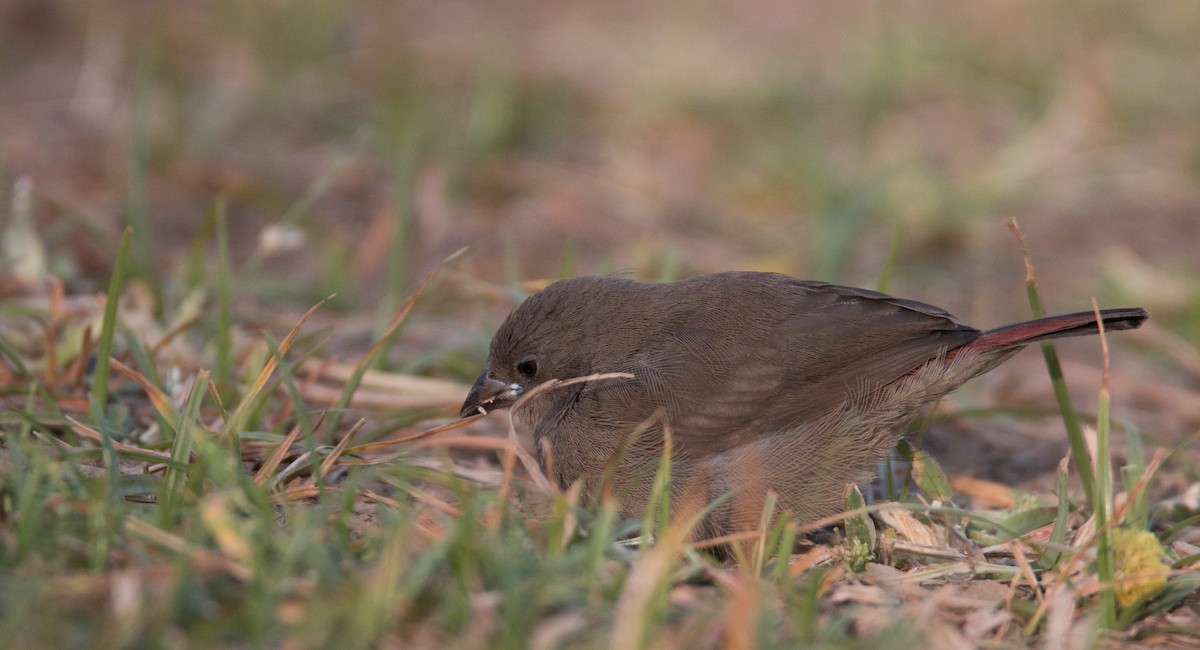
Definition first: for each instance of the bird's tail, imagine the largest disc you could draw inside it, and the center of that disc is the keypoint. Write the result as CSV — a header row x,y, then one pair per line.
x,y
1055,327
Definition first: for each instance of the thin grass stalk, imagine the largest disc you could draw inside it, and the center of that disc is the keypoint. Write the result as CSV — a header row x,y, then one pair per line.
x,y
299,408
1050,554
145,361
138,162
108,328
1105,553
644,594
601,541
287,372
658,507
51,331
1134,472
783,549
808,611
759,560
28,471
236,421
276,456
158,398
104,347
1170,533
13,357
181,450
223,340
508,463
1054,368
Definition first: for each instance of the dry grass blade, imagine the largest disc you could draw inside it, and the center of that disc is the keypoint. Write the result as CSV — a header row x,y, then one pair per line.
x,y
158,399
470,442
728,540
90,433
807,560
217,515
507,463
531,465
174,332
909,527
302,491
419,495
464,442
449,426
1060,609
809,527
647,577
237,419
272,462
1022,561
155,535
74,376
1143,482
744,603
337,452
376,400
387,381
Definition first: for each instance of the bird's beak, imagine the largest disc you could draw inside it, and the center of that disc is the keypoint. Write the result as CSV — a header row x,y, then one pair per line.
x,y
489,394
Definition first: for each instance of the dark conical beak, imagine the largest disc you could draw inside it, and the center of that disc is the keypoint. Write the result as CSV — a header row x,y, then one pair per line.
x,y
489,395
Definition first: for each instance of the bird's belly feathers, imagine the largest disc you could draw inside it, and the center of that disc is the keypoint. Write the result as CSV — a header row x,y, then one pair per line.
x,y
807,464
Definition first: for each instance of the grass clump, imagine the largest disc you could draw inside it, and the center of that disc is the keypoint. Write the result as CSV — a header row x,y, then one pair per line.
x,y
159,505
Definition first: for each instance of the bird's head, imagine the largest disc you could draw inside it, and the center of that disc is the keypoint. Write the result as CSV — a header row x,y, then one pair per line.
x,y
554,334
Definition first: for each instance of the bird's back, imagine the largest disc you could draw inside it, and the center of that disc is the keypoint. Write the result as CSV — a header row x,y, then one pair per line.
x,y
743,354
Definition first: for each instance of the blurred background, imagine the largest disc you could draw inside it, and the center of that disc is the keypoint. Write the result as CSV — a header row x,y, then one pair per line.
x,y
353,145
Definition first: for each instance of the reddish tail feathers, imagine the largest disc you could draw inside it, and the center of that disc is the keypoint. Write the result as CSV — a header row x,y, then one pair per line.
x,y
1054,327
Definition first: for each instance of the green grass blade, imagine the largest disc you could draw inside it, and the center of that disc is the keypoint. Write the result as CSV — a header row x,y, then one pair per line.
x,y
1054,368
254,394
1137,515
299,408
1105,561
860,530
223,355
1058,534
176,475
100,375
1103,501
138,163
926,473
658,506
14,358
104,344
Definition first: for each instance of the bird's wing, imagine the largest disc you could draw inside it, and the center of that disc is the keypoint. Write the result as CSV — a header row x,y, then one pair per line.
x,y
777,369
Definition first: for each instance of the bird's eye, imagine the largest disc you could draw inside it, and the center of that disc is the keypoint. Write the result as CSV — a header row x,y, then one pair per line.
x,y
528,366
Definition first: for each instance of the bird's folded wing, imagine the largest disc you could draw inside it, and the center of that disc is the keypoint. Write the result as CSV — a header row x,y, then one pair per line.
x,y
723,386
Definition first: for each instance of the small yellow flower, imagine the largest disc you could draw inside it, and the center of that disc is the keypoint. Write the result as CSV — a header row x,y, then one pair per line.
x,y
1139,554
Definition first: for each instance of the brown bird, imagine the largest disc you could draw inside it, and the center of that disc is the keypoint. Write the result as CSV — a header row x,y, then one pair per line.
x,y
764,382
